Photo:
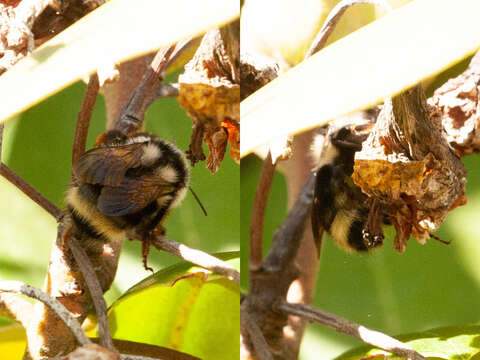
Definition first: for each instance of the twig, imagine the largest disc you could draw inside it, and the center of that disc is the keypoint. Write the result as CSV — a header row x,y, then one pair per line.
x,y
333,18
132,114
136,357
262,350
18,287
30,191
15,308
95,291
258,212
272,281
25,187
84,116
287,238
1,141
197,257
372,337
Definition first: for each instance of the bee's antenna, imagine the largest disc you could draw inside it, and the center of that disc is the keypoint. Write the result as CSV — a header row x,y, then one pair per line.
x,y
440,240
198,200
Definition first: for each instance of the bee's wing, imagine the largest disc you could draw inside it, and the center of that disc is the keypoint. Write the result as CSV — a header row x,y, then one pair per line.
x,y
107,165
133,194
317,227
323,203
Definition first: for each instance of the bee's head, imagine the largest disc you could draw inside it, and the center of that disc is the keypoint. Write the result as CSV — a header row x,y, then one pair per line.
x,y
111,138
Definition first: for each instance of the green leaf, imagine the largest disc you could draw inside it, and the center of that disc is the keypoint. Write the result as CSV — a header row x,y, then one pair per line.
x,y
184,308
449,343
360,70
115,32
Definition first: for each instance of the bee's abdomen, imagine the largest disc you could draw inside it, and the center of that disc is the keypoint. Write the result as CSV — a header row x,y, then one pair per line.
x,y
89,220
85,227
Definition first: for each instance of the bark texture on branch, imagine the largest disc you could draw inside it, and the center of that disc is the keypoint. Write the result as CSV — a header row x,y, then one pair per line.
x,y
457,103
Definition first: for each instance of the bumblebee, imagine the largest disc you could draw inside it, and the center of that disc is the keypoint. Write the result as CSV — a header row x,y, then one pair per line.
x,y
127,185
339,206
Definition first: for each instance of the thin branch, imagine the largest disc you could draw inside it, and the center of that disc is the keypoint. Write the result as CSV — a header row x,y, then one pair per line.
x,y
197,257
138,357
30,191
372,337
258,212
15,308
18,287
132,114
84,116
95,291
287,238
262,350
1,141
333,19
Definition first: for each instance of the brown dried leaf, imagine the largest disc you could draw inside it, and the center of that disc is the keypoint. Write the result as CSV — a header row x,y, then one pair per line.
x,y
407,165
210,93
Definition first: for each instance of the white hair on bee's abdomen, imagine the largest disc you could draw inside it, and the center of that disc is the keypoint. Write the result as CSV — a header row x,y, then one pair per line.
x,y
340,228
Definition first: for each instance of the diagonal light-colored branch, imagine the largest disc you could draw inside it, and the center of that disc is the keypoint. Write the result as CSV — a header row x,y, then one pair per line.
x,y
18,287
15,308
342,325
197,257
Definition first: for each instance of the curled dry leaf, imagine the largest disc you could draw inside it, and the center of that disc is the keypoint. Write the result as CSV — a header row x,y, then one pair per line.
x,y
210,93
457,104
408,166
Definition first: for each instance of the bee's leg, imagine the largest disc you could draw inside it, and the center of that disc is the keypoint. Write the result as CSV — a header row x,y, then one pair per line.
x,y
145,251
373,233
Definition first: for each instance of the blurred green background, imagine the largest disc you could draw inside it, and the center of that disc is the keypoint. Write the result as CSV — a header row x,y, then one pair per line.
x,y
428,286
38,144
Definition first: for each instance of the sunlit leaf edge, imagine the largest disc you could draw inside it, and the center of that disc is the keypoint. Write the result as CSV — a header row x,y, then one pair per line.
x,y
165,276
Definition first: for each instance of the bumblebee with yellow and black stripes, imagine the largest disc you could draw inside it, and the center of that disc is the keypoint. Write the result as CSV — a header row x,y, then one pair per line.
x,y
126,184
339,206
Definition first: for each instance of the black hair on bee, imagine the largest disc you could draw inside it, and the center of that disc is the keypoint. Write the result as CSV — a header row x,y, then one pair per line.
x,y
339,206
126,184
